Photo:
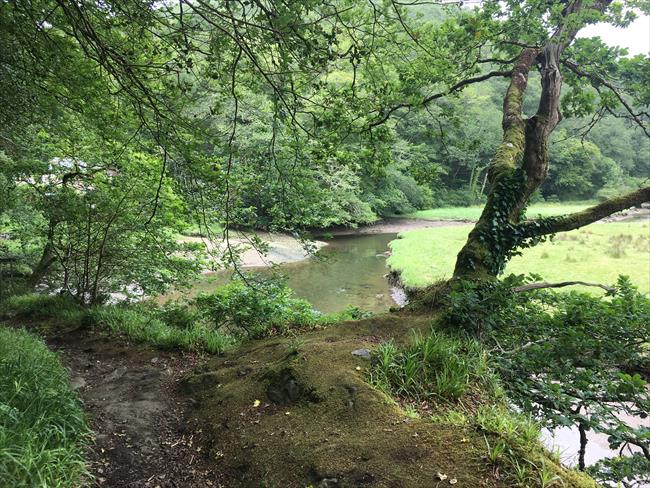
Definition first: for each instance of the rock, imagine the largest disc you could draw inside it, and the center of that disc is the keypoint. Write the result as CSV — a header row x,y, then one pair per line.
x,y
77,382
645,205
116,374
362,353
284,389
198,382
328,483
154,360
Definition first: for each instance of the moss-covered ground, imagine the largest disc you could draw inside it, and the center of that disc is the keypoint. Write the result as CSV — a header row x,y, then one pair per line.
x,y
596,253
301,412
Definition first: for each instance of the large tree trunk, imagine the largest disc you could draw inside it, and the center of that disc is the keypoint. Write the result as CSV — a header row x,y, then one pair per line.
x,y
48,257
520,165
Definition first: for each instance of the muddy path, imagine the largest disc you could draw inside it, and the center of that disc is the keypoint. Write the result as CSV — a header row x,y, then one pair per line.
x,y
144,436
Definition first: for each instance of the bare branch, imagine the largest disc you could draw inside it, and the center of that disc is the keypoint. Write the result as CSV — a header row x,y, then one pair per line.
x,y
542,284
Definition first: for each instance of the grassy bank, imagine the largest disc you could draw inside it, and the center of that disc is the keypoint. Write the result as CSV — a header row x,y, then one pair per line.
x,y
43,430
474,212
210,323
596,253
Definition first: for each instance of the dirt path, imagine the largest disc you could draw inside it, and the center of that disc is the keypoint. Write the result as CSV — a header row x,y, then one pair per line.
x,y
142,436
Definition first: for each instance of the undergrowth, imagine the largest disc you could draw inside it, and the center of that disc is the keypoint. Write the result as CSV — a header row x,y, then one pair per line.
x,y
210,323
43,431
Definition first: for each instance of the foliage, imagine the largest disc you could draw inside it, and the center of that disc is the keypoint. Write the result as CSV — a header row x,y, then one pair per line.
x,y
434,367
513,446
258,306
568,359
43,431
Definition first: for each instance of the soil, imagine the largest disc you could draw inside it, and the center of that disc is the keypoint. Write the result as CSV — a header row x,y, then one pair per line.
x,y
143,437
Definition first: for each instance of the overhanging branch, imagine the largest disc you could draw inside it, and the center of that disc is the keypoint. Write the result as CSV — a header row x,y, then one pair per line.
x,y
564,223
598,80
385,115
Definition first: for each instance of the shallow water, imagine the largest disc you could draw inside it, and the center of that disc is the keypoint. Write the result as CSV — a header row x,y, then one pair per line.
x,y
350,270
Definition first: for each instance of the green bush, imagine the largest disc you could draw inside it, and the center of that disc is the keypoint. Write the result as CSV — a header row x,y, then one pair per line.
x,y
257,307
434,367
568,359
43,431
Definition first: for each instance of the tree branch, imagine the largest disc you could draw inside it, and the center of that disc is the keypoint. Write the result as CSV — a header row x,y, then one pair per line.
x,y
564,223
599,80
385,115
542,284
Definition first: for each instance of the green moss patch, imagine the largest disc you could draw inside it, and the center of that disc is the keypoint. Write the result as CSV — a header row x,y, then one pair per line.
x,y
284,415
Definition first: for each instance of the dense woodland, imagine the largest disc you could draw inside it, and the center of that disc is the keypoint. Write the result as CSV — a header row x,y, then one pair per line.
x,y
125,124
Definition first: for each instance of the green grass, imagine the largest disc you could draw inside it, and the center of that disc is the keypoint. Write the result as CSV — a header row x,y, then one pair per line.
x,y
196,230
143,327
138,322
474,212
596,253
433,367
43,431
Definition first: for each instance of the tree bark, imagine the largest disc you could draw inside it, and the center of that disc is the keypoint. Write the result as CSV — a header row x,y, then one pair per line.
x,y
520,164
48,257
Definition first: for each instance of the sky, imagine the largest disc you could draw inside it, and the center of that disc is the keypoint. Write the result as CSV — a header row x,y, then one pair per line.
x,y
636,37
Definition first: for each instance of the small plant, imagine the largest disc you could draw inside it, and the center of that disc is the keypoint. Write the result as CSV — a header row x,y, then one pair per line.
x,y
496,452
411,411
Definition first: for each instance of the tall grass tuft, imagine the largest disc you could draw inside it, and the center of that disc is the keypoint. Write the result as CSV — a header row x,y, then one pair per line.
x,y
37,306
43,431
434,367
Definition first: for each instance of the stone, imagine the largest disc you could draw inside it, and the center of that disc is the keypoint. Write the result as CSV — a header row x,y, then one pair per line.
x,y
77,382
116,374
362,353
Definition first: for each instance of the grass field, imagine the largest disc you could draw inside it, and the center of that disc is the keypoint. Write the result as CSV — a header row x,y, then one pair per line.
x,y
596,253
474,212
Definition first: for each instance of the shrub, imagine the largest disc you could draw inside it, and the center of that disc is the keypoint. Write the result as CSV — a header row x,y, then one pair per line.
x,y
178,315
43,431
257,307
568,359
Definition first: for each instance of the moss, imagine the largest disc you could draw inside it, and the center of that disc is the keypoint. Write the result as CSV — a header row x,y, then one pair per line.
x,y
277,419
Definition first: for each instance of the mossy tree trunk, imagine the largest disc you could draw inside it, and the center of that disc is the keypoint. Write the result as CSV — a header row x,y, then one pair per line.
x,y
520,166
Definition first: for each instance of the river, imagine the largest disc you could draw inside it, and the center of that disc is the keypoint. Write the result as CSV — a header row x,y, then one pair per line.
x,y
350,270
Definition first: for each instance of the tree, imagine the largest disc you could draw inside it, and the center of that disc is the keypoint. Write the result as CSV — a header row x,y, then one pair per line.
x,y
521,163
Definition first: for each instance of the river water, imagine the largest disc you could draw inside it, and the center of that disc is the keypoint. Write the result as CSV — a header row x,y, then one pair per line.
x,y
350,270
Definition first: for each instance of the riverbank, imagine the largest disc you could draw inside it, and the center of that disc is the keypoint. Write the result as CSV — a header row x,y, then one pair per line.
x,y
257,248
